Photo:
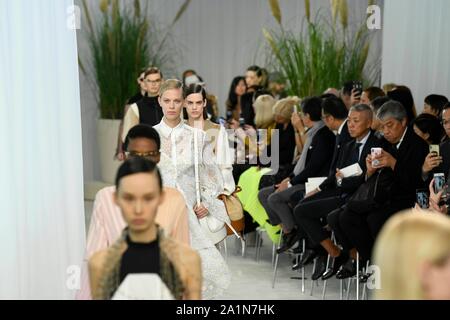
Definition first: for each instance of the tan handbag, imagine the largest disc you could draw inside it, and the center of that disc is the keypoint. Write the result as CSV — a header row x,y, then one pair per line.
x,y
235,211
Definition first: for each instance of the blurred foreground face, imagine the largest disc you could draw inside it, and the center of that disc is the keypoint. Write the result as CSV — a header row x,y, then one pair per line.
x,y
138,197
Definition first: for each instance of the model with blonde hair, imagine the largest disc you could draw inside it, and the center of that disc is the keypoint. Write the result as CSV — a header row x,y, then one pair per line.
x,y
413,254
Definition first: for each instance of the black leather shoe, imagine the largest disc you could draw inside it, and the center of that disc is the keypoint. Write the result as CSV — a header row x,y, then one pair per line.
x,y
338,262
321,265
288,241
347,270
307,258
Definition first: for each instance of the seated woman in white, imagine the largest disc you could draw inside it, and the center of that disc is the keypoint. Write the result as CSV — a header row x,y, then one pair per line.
x,y
178,169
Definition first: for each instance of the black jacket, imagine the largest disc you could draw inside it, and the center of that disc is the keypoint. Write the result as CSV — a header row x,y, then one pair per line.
x,y
408,169
349,185
341,139
318,158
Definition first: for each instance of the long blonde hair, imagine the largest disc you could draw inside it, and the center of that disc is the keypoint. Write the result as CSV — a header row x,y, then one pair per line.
x,y
406,242
264,111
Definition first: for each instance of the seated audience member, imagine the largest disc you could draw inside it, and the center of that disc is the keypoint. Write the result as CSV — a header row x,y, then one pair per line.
x,y
376,104
413,256
237,89
282,111
314,162
346,94
388,87
277,85
107,222
369,94
403,95
143,248
334,191
334,115
434,104
403,153
254,77
429,128
445,145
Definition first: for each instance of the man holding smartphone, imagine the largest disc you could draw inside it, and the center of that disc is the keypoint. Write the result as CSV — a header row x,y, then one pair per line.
x,y
404,153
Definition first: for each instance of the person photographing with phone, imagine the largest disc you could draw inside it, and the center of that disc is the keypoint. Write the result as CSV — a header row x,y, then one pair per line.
x,y
402,153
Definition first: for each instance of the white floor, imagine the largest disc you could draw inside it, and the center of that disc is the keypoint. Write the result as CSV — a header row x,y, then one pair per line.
x,y
252,280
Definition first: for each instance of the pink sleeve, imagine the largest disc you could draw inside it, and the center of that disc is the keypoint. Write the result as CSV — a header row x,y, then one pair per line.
x,y
180,230
96,241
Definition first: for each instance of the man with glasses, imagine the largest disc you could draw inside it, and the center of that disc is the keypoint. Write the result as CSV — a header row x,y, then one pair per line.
x,y
147,110
107,223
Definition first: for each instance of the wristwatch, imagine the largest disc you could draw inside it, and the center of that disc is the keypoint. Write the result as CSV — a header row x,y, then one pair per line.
x,y
339,181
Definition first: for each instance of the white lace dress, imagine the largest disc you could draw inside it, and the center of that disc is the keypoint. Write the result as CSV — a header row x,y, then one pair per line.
x,y
177,169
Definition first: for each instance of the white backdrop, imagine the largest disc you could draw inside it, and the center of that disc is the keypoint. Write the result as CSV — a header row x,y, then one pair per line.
x,y
41,191
416,46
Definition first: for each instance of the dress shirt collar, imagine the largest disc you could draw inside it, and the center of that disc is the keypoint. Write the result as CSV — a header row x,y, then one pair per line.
x,y
166,130
401,140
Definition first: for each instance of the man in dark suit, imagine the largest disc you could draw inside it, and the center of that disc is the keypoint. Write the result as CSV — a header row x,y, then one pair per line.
x,y
314,162
404,153
334,191
334,115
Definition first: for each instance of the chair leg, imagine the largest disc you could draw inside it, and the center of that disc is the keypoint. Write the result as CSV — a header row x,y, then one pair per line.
x,y
357,276
324,290
312,281
257,244
303,267
348,288
275,271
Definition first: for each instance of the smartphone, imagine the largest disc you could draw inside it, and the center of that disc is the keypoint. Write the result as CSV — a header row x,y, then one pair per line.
x,y
241,122
422,198
374,153
358,87
296,109
229,115
439,182
434,148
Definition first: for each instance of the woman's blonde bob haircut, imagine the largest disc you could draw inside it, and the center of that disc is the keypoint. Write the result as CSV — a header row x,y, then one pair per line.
x,y
407,242
264,111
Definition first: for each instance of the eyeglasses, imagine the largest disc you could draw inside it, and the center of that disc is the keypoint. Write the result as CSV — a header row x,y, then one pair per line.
x,y
146,155
153,81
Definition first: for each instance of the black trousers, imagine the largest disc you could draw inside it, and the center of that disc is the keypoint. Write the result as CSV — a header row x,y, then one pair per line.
x,y
334,221
311,212
361,229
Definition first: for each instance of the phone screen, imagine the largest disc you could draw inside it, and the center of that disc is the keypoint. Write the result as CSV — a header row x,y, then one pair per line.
x,y
422,198
439,182
434,148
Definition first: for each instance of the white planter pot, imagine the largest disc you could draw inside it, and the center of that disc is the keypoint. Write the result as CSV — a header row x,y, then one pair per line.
x,y
107,134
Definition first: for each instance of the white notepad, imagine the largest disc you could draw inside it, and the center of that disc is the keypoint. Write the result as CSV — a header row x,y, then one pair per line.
x,y
313,183
352,171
